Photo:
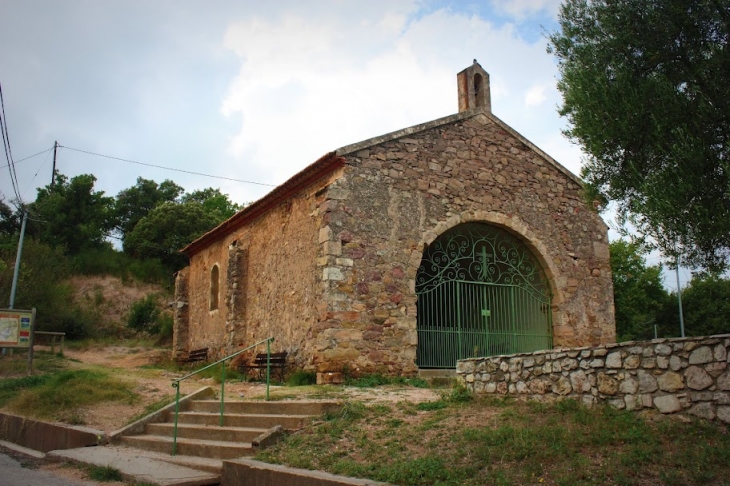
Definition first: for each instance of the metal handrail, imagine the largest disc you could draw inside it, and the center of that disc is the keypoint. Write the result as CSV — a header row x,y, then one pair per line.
x,y
176,383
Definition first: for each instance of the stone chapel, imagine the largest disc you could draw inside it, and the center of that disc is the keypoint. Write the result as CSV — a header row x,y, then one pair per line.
x,y
451,239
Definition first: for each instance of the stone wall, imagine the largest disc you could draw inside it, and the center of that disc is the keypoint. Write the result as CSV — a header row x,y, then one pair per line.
x,y
180,335
330,272
268,281
670,375
400,192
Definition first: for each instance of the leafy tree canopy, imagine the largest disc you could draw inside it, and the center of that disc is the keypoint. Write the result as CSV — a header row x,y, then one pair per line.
x,y
166,229
638,293
70,214
134,203
172,225
705,305
645,92
214,202
9,223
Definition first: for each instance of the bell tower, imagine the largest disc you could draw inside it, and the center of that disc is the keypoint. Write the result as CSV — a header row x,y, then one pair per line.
x,y
473,88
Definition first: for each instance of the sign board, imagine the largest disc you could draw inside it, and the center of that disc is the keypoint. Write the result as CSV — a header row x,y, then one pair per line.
x,y
16,328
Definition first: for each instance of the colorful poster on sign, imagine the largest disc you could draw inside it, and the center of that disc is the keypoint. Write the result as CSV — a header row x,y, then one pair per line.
x,y
15,328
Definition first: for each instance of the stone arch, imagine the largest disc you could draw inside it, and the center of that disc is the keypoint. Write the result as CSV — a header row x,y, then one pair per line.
x,y
512,224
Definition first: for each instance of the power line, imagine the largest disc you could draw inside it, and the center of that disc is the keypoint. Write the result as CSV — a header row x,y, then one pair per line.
x,y
37,172
165,168
26,158
6,146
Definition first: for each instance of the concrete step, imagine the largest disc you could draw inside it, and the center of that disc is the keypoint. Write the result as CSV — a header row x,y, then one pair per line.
x,y
138,466
289,407
193,462
264,421
205,432
212,449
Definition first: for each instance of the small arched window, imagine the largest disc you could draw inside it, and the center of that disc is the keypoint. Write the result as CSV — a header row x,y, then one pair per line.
x,y
214,286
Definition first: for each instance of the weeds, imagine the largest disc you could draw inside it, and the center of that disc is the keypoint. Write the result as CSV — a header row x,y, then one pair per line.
x,y
153,407
371,381
463,440
215,373
301,378
52,396
101,342
104,473
17,365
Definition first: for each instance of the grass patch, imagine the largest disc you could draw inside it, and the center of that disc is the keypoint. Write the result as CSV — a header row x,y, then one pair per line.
x,y
371,381
310,391
465,440
62,393
145,342
215,373
104,474
17,365
153,407
301,378
10,387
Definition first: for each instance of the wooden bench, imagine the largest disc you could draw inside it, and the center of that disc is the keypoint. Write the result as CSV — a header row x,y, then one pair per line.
x,y
276,360
196,355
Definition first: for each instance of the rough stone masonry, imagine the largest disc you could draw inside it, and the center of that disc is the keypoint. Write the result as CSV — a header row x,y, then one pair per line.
x,y
326,263
670,375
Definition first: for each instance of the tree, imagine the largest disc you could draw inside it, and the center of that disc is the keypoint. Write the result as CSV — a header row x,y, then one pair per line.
x,y
42,284
638,293
71,215
644,84
705,306
9,220
214,202
166,230
136,202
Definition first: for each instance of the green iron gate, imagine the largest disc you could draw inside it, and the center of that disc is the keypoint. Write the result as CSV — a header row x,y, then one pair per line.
x,y
480,293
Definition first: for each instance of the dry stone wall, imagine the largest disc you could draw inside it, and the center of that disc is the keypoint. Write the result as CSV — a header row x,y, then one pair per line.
x,y
670,375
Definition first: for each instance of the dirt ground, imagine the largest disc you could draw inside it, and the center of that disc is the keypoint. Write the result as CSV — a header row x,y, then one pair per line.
x,y
154,385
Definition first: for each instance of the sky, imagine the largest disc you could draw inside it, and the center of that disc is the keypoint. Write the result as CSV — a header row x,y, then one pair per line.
x,y
255,91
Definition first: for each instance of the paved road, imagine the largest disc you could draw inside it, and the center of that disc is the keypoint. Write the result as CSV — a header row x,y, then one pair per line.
x,y
12,473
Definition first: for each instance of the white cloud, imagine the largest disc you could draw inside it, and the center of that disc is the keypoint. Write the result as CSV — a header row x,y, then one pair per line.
x,y
535,96
256,90
307,86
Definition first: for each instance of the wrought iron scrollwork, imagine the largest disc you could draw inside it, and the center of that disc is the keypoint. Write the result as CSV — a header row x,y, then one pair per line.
x,y
477,252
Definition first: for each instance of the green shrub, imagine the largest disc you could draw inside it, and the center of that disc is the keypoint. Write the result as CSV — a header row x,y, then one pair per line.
x,y
301,378
144,315
151,270
107,261
105,474
368,381
65,392
166,322
460,394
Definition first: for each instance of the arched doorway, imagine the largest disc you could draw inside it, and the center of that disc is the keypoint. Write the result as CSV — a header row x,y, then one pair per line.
x,y
481,292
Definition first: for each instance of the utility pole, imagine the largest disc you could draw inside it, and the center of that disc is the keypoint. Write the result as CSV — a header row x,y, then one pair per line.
x,y
679,299
17,259
53,172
